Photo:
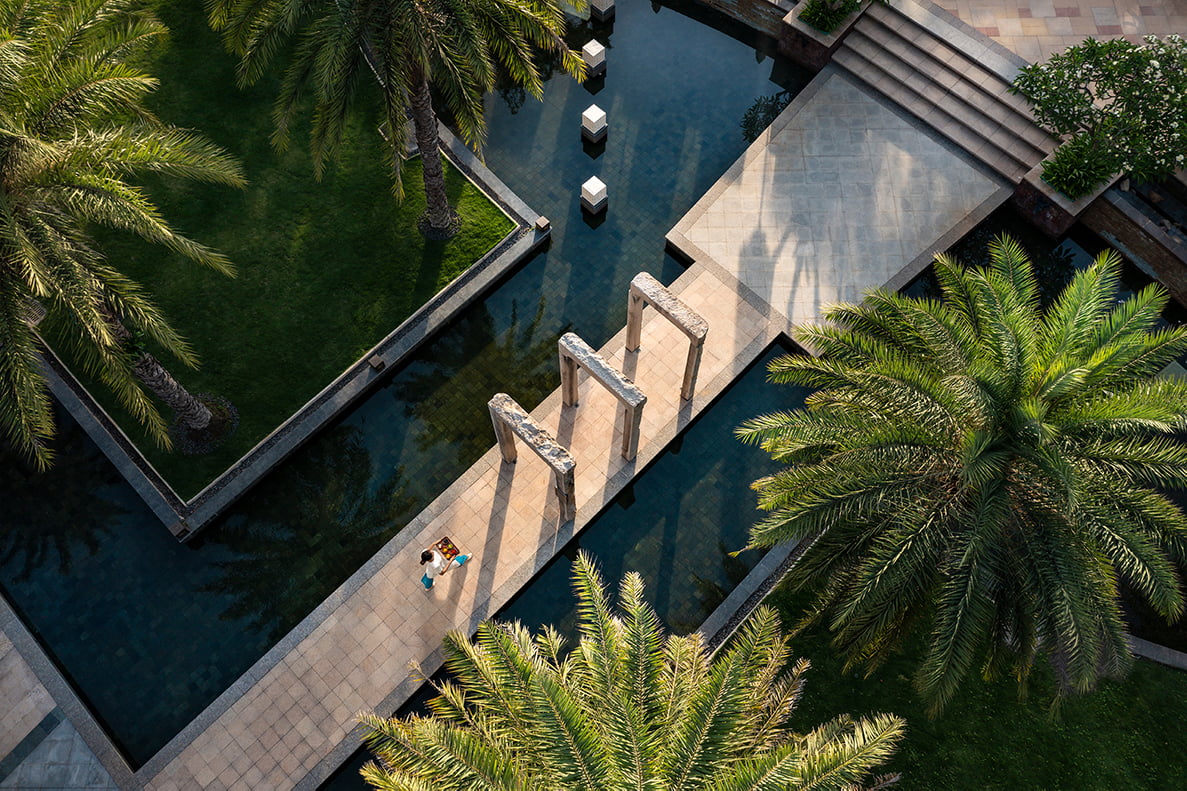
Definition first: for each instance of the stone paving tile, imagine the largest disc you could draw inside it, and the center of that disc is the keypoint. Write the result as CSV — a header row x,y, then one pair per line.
x,y
507,519
62,762
24,702
801,241
1037,29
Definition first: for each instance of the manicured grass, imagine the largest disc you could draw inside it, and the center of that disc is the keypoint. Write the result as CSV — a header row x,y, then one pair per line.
x,y
326,269
1122,736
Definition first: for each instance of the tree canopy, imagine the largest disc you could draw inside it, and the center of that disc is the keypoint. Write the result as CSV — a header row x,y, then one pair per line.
x,y
982,473
626,708
73,131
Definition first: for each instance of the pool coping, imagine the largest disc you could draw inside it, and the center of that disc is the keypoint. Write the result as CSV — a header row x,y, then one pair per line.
x,y
185,518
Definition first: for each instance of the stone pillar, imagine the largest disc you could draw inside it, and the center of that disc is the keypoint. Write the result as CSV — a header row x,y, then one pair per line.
x,y
594,55
511,421
646,289
601,10
503,435
593,195
593,124
575,352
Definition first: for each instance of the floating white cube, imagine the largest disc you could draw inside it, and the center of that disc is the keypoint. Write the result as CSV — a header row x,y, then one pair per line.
x,y
593,123
602,9
594,55
593,195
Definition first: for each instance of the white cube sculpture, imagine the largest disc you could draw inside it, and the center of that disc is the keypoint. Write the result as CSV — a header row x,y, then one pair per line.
x,y
594,55
602,9
593,124
593,195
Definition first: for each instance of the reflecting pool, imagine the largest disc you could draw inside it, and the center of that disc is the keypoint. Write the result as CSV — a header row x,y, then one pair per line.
x,y
150,631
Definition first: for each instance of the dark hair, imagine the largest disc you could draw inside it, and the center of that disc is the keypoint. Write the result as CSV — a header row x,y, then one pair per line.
x,y
426,556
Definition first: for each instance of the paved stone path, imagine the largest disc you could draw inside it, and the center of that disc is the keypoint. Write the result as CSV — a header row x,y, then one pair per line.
x,y
836,197
505,515
61,762
24,702
1037,29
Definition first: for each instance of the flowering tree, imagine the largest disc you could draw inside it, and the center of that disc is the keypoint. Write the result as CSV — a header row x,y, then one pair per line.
x,y
1122,107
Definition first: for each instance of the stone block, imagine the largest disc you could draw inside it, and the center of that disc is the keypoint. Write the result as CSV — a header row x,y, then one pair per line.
x,y
601,9
593,195
594,55
543,224
376,362
594,124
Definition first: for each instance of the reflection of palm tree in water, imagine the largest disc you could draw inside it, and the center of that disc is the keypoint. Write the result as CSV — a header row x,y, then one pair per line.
x,y
467,366
577,32
710,594
308,528
56,512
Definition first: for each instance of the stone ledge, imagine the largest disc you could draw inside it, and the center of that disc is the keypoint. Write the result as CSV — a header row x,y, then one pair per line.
x,y
1047,208
808,46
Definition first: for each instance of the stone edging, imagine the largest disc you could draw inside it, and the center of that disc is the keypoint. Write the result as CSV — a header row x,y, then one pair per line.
x,y
184,518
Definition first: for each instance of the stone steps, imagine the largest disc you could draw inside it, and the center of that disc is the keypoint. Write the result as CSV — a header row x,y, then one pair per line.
x,y
950,79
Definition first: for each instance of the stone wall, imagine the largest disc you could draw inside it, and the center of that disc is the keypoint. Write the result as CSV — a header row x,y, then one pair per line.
x,y
1115,221
762,15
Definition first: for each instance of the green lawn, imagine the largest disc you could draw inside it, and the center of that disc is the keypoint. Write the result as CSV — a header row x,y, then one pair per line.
x,y
326,269
1126,735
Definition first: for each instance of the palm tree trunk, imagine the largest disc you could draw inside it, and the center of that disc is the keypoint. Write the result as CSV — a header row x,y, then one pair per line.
x,y
440,215
192,413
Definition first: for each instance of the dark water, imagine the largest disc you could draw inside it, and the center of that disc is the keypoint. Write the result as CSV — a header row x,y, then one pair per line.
x,y
1056,262
675,525
150,631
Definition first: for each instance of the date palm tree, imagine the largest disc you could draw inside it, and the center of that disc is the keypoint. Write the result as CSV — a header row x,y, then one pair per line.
x,y
408,47
627,708
72,129
985,473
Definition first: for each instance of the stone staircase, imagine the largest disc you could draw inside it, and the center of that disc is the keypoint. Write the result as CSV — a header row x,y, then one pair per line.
x,y
950,77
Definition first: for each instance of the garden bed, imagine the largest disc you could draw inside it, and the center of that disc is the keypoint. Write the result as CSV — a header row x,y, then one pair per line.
x,y
326,269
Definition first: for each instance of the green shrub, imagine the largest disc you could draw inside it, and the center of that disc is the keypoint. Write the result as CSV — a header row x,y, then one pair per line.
x,y
825,15
1122,105
1078,167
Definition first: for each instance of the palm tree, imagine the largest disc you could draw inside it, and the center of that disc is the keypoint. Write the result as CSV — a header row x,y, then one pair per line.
x,y
408,47
72,128
628,708
984,473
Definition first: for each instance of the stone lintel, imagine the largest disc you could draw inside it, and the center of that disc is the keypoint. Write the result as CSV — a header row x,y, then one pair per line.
x,y
506,411
572,347
654,293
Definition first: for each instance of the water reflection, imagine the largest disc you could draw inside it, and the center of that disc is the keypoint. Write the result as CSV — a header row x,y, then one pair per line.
x,y
286,546
484,361
53,531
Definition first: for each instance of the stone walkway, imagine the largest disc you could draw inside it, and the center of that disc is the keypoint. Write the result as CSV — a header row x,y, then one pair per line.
x,y
1037,29
39,749
24,702
836,197
61,762
358,656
